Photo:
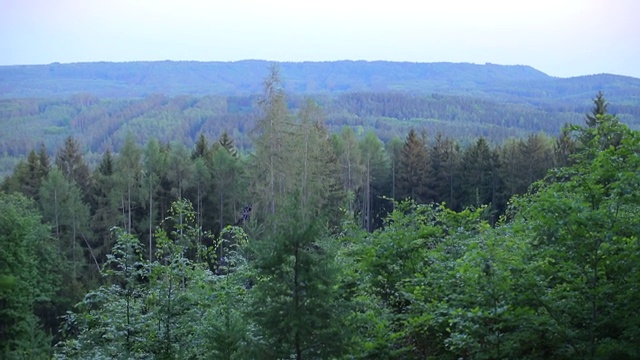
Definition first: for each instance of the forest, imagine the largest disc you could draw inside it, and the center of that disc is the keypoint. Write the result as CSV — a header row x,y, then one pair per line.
x,y
313,242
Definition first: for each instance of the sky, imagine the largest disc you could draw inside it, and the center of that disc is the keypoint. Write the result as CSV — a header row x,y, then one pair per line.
x,y
559,37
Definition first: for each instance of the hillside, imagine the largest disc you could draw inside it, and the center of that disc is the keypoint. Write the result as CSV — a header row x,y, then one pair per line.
x,y
139,79
98,103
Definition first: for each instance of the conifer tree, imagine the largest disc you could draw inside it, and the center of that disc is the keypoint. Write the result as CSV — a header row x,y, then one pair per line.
x,y
413,179
445,169
599,109
295,303
269,176
104,203
71,163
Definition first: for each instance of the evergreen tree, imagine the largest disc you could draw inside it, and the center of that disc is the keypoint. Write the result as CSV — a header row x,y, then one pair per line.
x,y
71,163
201,148
599,109
227,143
564,147
295,303
482,180
414,175
105,204
445,168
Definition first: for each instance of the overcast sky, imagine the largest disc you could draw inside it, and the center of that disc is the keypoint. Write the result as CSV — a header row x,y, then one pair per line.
x,y
560,37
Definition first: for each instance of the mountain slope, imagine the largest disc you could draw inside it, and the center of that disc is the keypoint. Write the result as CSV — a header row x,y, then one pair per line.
x,y
516,83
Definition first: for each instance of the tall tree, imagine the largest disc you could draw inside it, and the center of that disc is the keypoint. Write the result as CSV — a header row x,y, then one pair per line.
x,y
564,147
414,174
71,163
295,304
104,204
350,160
129,174
201,148
179,169
154,162
482,180
28,278
445,168
394,149
599,109
374,176
269,177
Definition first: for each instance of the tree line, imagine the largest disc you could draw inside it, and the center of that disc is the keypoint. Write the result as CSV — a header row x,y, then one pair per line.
x,y
331,262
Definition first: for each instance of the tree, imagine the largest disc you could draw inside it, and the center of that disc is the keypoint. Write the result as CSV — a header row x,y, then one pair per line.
x,y
71,163
28,278
37,169
599,109
154,162
270,175
104,203
62,206
564,147
128,175
414,174
227,143
445,167
201,148
295,304
374,176
394,149
179,169
482,180
349,158
583,248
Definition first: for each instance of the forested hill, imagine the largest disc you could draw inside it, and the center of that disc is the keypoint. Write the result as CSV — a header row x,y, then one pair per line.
x,y
517,83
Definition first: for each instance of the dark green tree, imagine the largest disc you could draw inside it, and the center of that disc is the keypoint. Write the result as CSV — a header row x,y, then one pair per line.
x,y
295,301
28,279
71,163
414,174
599,109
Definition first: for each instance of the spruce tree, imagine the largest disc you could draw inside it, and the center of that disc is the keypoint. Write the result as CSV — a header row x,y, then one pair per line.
x,y
599,109
413,177
295,303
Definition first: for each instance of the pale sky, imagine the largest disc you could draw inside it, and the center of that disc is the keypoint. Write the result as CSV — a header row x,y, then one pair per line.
x,y
559,37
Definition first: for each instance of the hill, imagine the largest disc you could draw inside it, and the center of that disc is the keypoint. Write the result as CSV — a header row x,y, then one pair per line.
x,y
513,83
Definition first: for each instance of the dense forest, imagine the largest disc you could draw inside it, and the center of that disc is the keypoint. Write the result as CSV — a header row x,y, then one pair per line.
x,y
317,244
99,104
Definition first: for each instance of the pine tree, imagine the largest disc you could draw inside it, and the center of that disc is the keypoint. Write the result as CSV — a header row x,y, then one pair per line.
x,y
201,148
295,302
564,147
413,179
445,168
599,109
104,203
227,143
71,163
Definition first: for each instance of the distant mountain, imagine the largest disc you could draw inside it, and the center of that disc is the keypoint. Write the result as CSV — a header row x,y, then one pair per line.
x,y
519,83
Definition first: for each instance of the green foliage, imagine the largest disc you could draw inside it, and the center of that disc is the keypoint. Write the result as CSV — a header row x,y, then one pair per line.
x,y
295,304
169,308
28,278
